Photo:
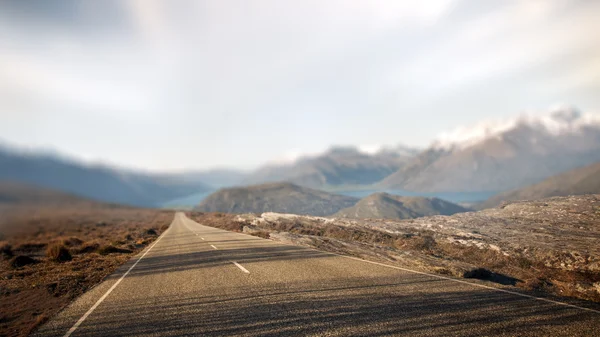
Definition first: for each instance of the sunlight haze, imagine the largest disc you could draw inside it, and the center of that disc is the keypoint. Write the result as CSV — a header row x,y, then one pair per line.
x,y
177,85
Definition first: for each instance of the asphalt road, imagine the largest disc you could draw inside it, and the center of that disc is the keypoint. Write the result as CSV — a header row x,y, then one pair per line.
x,y
201,281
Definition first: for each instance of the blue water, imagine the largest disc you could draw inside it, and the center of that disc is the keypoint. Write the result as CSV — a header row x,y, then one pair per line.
x,y
189,201
456,197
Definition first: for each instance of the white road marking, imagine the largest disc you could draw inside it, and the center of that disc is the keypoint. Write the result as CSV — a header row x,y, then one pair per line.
x,y
78,323
241,267
469,283
202,238
213,246
454,280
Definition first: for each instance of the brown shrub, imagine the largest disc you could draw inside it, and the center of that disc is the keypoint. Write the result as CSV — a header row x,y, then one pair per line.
x,y
88,247
422,242
164,227
151,231
478,273
143,242
39,320
58,252
72,241
30,247
6,250
21,261
262,234
108,249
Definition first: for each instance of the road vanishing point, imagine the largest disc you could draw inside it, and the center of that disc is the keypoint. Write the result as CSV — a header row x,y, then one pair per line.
x,y
196,280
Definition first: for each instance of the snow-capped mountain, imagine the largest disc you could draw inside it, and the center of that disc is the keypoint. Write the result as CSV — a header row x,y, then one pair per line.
x,y
558,121
501,155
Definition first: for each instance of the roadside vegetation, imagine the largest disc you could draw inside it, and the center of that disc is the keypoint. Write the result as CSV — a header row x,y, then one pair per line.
x,y
548,247
50,256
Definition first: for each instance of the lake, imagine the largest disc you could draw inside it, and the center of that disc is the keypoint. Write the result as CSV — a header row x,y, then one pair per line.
x,y
456,197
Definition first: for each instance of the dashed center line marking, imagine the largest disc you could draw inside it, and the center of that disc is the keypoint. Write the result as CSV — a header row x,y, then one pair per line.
x,y
241,267
213,246
202,238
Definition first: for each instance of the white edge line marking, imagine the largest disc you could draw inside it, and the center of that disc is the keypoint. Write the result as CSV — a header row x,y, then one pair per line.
x,y
444,278
472,284
78,323
241,267
213,246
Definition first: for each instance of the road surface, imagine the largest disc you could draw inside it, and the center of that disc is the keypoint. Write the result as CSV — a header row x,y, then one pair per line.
x,y
196,280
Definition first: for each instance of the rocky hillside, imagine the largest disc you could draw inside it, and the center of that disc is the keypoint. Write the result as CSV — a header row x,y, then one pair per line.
x,y
337,167
503,155
584,180
275,197
389,206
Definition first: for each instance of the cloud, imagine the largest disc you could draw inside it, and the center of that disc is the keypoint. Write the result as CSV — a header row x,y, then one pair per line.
x,y
306,73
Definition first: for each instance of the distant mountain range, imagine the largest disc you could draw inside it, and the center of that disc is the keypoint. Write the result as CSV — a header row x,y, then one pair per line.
x,y
583,180
389,206
487,158
275,197
339,166
15,193
504,155
94,182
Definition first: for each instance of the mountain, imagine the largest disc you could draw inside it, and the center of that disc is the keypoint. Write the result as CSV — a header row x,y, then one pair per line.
x,y
388,206
12,193
339,166
94,182
583,180
503,155
275,197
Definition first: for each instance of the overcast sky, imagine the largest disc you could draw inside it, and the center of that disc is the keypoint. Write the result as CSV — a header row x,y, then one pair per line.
x,y
172,85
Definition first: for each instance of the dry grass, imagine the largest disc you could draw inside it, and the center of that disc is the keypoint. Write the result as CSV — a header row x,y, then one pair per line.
x,y
49,256
426,253
58,252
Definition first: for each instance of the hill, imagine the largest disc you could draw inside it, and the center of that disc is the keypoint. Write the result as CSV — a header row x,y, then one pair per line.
x,y
95,182
583,180
338,166
388,206
14,193
503,155
275,197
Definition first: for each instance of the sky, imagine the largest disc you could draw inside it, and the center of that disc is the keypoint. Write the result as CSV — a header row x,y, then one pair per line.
x,y
181,85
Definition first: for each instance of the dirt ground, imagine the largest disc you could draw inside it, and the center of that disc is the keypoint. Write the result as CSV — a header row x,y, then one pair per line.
x,y
51,255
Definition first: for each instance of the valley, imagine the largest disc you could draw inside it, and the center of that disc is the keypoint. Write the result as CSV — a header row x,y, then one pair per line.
x,y
299,168
501,210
